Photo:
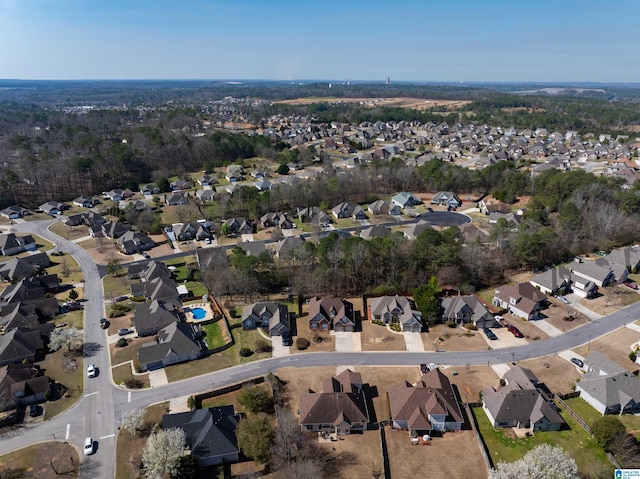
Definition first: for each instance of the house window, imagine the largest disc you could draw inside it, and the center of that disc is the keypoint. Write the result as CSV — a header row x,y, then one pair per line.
x,y
325,326
314,326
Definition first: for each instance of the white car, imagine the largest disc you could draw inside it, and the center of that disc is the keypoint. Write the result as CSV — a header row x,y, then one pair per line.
x,y
88,446
91,371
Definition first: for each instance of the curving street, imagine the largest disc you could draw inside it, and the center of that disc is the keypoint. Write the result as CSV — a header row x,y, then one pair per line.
x,y
97,412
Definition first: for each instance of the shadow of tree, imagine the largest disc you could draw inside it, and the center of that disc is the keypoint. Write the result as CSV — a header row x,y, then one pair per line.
x,y
91,349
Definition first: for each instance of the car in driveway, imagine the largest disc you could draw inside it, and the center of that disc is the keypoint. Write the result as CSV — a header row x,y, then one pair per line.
x,y
515,331
89,446
91,371
124,331
490,334
286,339
563,299
631,284
577,362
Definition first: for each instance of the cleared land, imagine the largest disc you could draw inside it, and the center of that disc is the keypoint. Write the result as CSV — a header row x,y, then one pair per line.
x,y
413,103
47,460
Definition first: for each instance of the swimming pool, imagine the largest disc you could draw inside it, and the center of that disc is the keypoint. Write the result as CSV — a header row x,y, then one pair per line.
x,y
198,313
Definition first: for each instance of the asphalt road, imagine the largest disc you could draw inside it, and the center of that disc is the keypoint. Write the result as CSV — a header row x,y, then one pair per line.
x,y
98,411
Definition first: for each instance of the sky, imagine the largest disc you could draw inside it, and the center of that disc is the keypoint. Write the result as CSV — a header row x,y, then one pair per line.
x,y
406,40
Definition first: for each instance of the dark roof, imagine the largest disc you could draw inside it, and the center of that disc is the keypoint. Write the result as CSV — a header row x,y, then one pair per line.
x,y
176,338
339,402
18,344
149,318
210,432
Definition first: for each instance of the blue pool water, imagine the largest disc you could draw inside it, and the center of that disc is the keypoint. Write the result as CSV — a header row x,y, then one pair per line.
x,y
198,313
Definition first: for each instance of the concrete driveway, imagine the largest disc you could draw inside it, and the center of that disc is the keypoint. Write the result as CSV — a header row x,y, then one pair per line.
x,y
413,342
505,339
278,350
548,328
347,342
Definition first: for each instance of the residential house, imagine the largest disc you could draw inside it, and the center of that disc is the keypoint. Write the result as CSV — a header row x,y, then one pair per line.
x,y
396,310
624,261
205,195
523,300
473,234
150,189
384,207
446,198
277,219
85,201
162,287
11,244
118,194
238,226
88,218
177,199
20,345
313,215
149,271
340,408
179,185
178,342
210,433
608,387
287,247
331,314
133,242
53,208
19,315
414,229
149,318
190,231
406,199
270,316
429,405
252,248
263,185
112,229
348,209
375,231
207,180
16,269
234,173
588,276
467,309
487,206
14,212
555,281
24,385
520,403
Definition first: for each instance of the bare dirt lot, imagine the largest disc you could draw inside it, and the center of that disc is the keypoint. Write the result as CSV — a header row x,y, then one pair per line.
x,y
471,380
444,338
414,103
456,454
563,316
611,299
378,338
555,372
528,328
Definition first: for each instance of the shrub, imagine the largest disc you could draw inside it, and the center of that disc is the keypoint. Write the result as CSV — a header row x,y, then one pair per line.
x,y
47,395
503,382
470,326
191,402
379,322
395,327
245,352
133,383
302,344
451,324
263,346
633,355
138,299
606,429
122,342
317,339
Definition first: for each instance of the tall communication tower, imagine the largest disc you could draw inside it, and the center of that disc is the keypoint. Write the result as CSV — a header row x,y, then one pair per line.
x,y
387,81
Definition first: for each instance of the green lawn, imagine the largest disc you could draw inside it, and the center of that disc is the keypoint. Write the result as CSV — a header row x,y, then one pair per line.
x,y
123,373
216,362
74,319
589,415
574,440
213,335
